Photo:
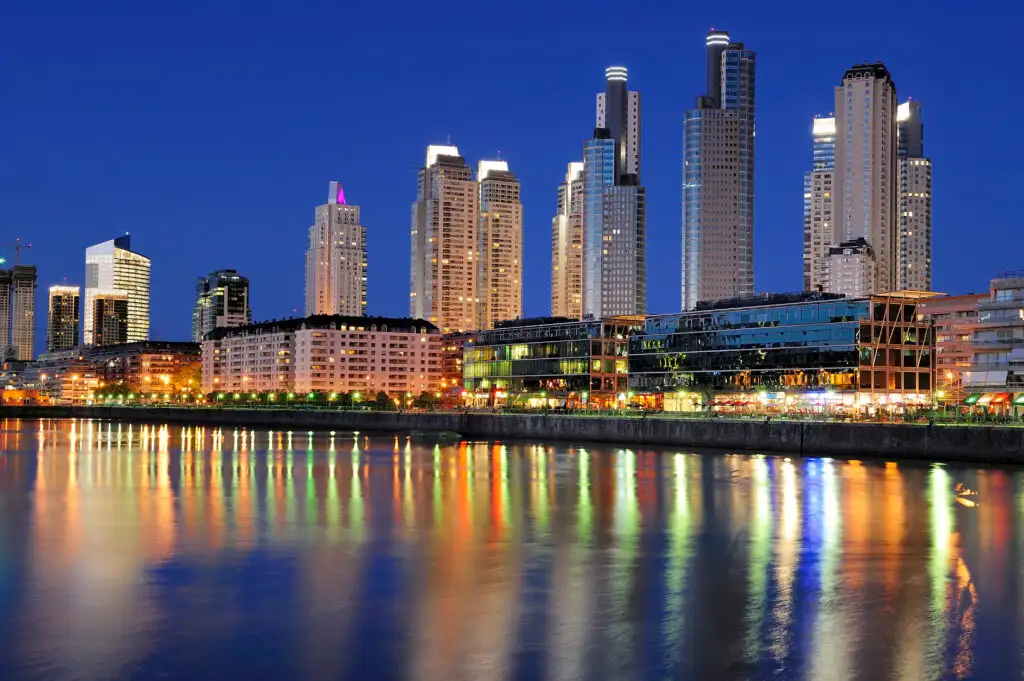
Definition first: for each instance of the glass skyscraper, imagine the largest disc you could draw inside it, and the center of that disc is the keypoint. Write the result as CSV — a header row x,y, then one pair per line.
x,y
614,206
113,268
718,178
818,202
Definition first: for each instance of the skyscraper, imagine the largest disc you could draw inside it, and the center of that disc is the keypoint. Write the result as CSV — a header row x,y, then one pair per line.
x,y
113,267
7,350
18,312
567,247
718,178
819,223
614,206
444,269
915,209
866,181
222,300
336,258
63,327
501,245
110,317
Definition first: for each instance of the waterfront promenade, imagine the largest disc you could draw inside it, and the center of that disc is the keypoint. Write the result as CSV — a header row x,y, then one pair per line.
x,y
977,443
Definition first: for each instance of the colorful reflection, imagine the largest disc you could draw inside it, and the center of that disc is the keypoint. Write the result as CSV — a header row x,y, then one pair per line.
x,y
354,555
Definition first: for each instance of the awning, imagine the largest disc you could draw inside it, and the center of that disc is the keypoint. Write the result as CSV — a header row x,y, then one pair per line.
x,y
1019,400
1001,398
972,399
986,398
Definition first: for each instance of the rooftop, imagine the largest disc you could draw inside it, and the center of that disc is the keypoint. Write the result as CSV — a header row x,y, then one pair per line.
x,y
323,321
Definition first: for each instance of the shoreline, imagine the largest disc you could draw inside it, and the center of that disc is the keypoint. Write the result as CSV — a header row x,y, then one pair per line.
x,y
975,444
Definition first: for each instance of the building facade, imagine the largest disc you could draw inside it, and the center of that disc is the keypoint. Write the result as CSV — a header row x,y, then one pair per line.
x,y
851,268
501,245
112,267
453,347
549,362
819,221
18,313
222,299
445,244
996,374
614,206
325,353
62,329
335,259
567,247
866,201
915,195
808,351
109,318
954,318
718,178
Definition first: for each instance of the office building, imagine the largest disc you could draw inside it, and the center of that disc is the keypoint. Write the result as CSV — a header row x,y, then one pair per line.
x,y
501,245
954,318
995,379
819,224
550,362
113,267
567,247
808,352
324,353
62,330
718,178
222,299
915,194
866,200
336,258
109,318
7,350
17,313
444,267
614,206
453,346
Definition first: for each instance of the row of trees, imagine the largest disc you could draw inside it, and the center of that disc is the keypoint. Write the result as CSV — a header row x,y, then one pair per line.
x,y
380,401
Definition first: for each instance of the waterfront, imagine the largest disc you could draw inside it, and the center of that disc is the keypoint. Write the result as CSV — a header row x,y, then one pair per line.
x,y
147,551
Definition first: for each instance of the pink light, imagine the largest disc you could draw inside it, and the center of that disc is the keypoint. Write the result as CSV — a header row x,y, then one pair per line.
x,y
341,196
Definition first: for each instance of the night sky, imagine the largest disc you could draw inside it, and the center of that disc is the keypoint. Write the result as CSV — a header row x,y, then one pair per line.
x,y
209,130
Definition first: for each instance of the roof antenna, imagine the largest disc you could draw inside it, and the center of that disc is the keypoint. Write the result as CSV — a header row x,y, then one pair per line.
x,y
449,140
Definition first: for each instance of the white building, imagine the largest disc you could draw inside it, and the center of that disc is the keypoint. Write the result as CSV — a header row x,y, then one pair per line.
x,y
851,269
328,353
501,245
113,267
866,174
336,258
567,246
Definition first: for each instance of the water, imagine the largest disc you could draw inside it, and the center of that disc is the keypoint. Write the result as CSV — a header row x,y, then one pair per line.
x,y
140,552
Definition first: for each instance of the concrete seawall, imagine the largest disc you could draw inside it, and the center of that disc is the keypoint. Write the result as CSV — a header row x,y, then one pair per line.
x,y
981,444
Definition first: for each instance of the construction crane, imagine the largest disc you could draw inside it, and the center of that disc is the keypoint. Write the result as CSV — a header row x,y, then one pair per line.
x,y
17,245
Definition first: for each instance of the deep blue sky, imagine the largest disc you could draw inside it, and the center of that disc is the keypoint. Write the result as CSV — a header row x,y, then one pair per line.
x,y
210,130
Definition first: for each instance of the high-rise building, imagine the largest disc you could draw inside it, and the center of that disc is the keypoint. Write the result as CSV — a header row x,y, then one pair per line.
x,y
62,331
851,268
614,206
17,312
445,243
501,245
866,201
718,178
110,317
336,258
113,267
567,247
819,224
915,209
222,300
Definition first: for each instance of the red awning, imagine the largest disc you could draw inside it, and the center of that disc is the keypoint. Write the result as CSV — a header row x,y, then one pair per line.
x,y
1000,398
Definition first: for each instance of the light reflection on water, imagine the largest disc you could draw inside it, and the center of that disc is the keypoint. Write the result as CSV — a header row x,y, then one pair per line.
x,y
131,551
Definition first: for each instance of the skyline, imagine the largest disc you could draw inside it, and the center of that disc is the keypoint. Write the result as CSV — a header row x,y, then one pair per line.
x,y
378,173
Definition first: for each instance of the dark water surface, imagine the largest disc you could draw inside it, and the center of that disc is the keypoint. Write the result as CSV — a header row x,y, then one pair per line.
x,y
140,552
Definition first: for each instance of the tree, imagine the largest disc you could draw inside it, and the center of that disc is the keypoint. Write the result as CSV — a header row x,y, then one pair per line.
x,y
382,401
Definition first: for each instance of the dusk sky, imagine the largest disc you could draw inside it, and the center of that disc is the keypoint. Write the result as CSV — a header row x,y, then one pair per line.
x,y
210,130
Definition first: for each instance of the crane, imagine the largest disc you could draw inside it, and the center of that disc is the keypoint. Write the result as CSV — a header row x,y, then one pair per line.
x,y
17,245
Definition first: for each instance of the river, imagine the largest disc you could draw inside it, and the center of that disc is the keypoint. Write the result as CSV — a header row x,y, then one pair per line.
x,y
147,552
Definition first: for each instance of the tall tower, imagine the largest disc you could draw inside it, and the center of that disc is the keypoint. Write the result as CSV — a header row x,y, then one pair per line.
x,y
819,223
222,300
336,258
915,209
501,245
110,315
614,206
445,243
113,267
718,178
866,174
7,350
64,321
567,246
